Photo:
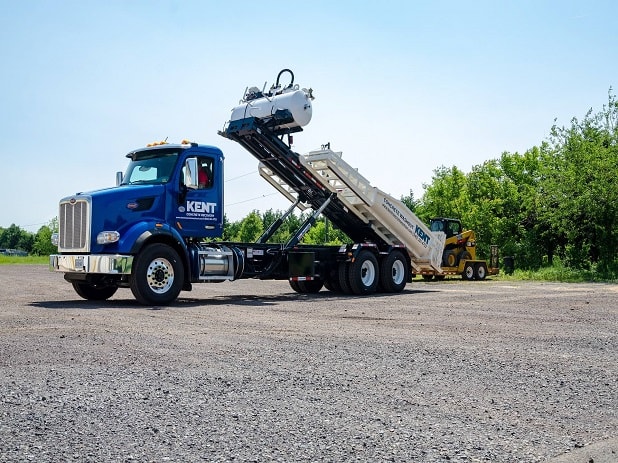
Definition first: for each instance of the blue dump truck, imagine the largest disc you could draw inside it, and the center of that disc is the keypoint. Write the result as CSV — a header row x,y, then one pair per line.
x,y
156,231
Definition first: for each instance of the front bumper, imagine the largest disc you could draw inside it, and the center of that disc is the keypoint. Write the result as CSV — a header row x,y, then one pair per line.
x,y
91,263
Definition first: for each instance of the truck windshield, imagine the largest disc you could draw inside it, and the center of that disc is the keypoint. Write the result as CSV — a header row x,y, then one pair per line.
x,y
151,167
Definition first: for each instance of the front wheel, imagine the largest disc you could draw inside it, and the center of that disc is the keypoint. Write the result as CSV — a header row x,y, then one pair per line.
x,y
157,275
93,291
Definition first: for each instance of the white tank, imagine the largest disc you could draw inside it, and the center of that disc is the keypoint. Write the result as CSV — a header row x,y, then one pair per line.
x,y
295,100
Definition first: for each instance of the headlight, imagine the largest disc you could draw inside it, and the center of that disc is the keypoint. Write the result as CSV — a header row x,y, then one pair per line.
x,y
107,237
55,239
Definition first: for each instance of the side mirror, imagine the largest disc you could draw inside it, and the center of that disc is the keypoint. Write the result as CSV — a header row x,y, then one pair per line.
x,y
119,178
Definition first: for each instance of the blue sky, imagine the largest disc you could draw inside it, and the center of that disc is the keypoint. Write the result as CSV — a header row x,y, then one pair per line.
x,y
401,87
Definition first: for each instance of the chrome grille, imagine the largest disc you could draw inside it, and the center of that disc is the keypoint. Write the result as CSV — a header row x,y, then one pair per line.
x,y
74,226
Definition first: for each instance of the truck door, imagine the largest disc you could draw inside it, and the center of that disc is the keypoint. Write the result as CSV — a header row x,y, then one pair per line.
x,y
199,211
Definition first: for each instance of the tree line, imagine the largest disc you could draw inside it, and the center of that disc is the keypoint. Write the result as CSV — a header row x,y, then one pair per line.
x,y
556,202
39,243
252,227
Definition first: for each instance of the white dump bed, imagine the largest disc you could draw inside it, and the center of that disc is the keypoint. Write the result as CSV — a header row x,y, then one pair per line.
x,y
388,216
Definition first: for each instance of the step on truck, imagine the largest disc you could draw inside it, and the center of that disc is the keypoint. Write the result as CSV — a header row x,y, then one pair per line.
x,y
156,232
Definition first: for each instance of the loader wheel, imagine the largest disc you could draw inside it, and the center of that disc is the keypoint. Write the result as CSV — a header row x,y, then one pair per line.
x,y
364,273
480,271
393,272
465,255
468,272
93,291
449,259
157,275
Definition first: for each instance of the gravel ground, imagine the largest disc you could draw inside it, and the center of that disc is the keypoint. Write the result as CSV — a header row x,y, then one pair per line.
x,y
250,371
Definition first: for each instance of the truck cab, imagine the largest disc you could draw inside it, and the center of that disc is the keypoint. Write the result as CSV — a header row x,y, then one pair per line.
x,y
169,193
191,177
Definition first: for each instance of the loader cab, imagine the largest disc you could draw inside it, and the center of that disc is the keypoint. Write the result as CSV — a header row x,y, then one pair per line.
x,y
450,227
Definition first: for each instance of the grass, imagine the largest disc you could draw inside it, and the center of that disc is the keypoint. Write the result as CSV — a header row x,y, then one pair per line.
x,y
558,273
32,260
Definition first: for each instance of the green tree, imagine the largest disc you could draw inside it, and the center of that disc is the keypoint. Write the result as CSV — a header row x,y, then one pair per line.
x,y
16,238
524,233
231,230
579,191
445,196
42,242
282,234
251,228
410,202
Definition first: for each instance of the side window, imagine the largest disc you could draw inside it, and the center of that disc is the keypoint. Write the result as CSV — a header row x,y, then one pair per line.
x,y
454,228
204,174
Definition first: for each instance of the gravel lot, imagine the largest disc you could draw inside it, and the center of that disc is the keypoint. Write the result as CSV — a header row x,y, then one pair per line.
x,y
251,371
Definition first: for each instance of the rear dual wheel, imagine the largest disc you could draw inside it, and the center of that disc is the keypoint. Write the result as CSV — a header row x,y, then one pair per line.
x,y
364,273
393,272
344,277
307,287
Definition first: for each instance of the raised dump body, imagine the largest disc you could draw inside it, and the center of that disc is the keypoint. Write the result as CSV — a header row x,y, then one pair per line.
x,y
388,217
322,179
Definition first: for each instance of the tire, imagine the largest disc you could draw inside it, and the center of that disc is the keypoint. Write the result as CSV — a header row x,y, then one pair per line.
x,y
480,271
449,259
440,277
364,273
427,277
344,277
295,286
310,286
331,281
468,272
332,284
157,275
93,291
394,272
